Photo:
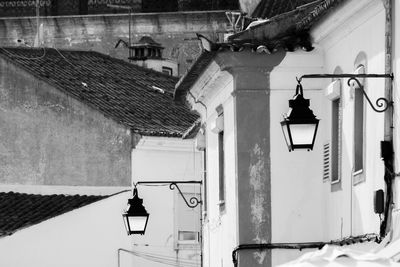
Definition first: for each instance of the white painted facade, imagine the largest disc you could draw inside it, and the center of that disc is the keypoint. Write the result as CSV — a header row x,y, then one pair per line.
x,y
396,99
220,233
305,207
88,236
344,36
92,235
296,177
167,159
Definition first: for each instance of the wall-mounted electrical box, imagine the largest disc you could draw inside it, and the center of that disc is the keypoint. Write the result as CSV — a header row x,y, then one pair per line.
x,y
379,201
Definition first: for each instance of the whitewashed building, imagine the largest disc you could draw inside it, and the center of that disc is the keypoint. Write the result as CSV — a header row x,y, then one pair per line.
x,y
263,202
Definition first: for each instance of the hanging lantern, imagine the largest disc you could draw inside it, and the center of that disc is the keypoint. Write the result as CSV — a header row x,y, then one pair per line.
x,y
299,125
136,217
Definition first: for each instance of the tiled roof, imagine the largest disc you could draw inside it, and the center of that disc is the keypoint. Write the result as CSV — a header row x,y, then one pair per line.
x,y
287,24
137,97
193,73
270,8
18,210
289,31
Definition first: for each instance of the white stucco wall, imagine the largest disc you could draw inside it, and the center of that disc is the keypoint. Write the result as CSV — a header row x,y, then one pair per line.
x,y
396,99
315,212
165,159
88,236
220,228
296,185
350,211
304,207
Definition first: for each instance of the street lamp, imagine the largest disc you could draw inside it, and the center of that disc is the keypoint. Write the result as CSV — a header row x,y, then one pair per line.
x,y
136,217
299,125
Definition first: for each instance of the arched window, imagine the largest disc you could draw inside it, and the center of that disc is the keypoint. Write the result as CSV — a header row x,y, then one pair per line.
x,y
336,121
359,118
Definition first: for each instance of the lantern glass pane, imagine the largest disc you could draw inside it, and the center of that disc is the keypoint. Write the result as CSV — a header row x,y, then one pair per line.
x,y
286,134
137,223
125,223
302,134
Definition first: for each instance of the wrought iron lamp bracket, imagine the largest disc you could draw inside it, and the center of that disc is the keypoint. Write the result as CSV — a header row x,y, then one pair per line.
x,y
193,202
382,104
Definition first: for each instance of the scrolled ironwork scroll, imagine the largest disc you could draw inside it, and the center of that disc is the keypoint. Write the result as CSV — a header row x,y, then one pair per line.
x,y
193,201
381,103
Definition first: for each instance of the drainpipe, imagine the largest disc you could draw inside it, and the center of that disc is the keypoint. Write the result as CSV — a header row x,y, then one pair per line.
x,y
388,126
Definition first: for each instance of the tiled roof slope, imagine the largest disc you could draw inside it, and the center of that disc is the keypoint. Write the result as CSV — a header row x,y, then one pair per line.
x,y
137,97
270,8
193,73
289,31
301,19
18,210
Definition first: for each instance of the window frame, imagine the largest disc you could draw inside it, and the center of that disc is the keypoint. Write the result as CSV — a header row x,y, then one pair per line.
x,y
188,192
359,123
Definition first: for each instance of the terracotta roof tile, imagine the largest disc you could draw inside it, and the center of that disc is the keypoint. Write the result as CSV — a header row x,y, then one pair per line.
x,y
193,73
299,20
289,31
137,97
271,8
18,210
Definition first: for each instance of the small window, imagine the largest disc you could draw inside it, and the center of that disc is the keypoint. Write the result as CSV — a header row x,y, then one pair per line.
x,y
188,237
358,128
187,220
335,134
167,70
221,160
205,195
221,157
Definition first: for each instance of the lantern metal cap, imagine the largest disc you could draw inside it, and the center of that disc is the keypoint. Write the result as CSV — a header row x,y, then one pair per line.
x,y
300,107
136,205
136,217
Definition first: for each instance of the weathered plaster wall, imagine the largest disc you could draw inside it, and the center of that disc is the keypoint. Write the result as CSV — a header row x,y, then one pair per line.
x,y
175,31
49,138
240,83
253,146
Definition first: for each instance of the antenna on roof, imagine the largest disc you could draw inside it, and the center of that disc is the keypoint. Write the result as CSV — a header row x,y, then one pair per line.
x,y
39,27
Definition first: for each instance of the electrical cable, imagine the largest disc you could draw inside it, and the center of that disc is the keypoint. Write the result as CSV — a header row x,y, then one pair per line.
x,y
165,259
305,245
23,57
58,51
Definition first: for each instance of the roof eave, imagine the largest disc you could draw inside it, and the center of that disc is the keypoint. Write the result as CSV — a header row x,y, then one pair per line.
x,y
300,19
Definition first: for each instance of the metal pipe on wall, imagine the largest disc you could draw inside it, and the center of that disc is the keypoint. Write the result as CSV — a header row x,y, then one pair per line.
x,y
388,119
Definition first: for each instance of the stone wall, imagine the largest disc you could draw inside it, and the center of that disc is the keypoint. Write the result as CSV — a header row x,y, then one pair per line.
x,y
10,8
49,138
175,31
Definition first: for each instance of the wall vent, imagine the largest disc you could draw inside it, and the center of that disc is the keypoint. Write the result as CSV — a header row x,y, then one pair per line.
x,y
326,161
